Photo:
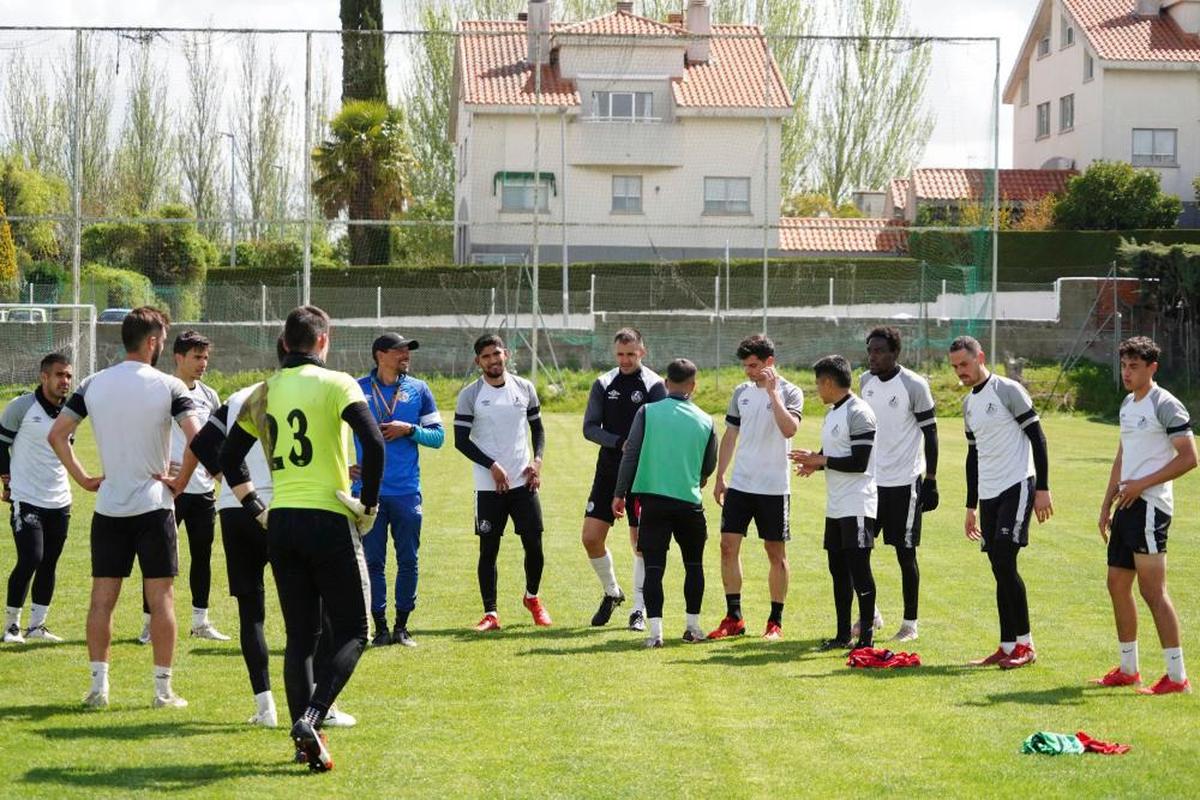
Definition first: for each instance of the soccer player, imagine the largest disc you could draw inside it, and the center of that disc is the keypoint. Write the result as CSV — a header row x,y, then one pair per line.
x,y
1007,462
848,458
1156,447
303,415
36,484
763,416
615,398
195,507
408,417
669,454
131,405
906,456
490,418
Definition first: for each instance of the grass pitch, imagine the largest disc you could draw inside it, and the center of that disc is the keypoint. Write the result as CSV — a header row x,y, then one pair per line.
x,y
573,711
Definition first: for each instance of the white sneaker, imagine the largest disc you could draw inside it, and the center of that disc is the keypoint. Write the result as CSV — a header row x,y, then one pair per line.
x,y
336,718
207,631
96,699
876,624
144,637
653,641
12,634
170,700
267,718
907,633
40,632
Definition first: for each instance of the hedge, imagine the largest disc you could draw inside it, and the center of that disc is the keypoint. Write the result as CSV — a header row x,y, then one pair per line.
x,y
110,287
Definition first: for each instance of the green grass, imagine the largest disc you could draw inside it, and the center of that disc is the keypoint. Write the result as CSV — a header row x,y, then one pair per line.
x,y
573,711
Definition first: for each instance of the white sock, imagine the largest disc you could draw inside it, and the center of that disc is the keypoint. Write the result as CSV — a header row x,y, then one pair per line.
x,y
1129,657
99,676
265,701
1025,639
37,615
491,614
162,681
12,616
656,627
1174,658
910,623
529,596
693,622
199,617
146,620
1008,647
603,567
639,579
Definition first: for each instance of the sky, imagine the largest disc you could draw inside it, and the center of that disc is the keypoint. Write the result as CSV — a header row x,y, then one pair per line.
x,y
960,85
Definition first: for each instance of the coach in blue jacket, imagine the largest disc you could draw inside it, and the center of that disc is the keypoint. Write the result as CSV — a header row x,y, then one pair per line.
x,y
408,418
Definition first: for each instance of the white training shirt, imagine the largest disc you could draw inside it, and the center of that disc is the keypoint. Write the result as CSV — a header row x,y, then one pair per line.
x,y
37,476
497,417
760,463
849,494
207,401
996,415
903,406
1148,427
131,405
256,461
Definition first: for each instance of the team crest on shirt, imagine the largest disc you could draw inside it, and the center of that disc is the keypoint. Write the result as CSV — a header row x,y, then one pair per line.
x,y
613,394
744,401
870,392
1142,422
484,526
894,402
836,429
485,402
991,409
591,506
401,396
35,418
637,396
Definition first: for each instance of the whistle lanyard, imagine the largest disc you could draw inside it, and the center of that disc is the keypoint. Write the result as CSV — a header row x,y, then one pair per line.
x,y
389,410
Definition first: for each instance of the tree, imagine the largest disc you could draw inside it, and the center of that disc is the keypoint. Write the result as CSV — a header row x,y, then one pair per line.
x,y
93,105
871,123
26,192
32,133
1112,195
262,111
363,66
145,149
9,285
363,173
197,135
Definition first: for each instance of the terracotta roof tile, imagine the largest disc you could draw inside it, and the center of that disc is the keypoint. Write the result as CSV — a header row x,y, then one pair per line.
x,y
1117,33
1016,185
898,190
835,235
741,74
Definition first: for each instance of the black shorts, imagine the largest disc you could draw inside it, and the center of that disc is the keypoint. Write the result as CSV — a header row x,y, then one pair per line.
x,y
1141,528
604,485
667,517
899,516
1005,518
149,537
768,511
849,533
493,510
195,508
44,522
245,551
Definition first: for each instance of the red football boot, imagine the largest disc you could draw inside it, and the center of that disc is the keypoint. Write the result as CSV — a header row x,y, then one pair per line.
x,y
1167,686
540,615
729,627
490,622
1116,677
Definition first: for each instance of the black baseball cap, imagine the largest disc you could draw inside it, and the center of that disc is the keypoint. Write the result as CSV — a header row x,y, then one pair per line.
x,y
393,341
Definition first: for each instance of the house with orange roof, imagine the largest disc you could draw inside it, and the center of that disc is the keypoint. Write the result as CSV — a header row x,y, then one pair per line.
x,y
1111,79
625,138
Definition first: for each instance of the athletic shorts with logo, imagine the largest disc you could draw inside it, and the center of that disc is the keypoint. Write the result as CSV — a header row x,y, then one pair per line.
x,y
1005,517
493,511
768,512
245,544
604,485
899,514
149,537
849,533
1141,528
28,519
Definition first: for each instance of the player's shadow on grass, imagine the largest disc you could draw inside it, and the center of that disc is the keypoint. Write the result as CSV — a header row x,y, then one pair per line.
x,y
234,651
754,652
1060,696
147,730
609,645
163,777
37,713
34,647
504,634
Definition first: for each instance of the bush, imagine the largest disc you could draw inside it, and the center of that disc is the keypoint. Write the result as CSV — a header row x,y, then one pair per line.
x,y
1112,195
114,244
9,285
110,287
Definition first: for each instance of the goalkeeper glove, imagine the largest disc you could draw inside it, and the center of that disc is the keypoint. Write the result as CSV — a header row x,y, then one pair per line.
x,y
929,494
364,518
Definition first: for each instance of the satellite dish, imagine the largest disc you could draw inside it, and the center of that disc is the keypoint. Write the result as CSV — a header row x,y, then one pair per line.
x,y
1059,162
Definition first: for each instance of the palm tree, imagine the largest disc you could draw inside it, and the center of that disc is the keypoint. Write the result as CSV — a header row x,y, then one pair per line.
x,y
363,172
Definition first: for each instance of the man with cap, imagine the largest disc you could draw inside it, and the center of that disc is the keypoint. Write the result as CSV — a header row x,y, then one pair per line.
x,y
407,416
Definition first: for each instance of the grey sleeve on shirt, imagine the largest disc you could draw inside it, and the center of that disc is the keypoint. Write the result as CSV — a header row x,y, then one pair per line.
x,y
1016,400
14,413
655,389
967,425
733,415
631,454
182,406
593,418
464,408
793,399
1172,415
920,398
861,421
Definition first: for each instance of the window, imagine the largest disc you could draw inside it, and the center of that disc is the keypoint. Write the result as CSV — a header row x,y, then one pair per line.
x,y
1043,120
1025,92
1066,112
518,191
1043,47
726,195
624,105
1068,33
627,194
1089,67
1155,147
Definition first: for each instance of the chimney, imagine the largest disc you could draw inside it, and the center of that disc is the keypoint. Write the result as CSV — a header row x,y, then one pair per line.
x,y
625,6
675,18
699,23
1186,14
538,28
1148,8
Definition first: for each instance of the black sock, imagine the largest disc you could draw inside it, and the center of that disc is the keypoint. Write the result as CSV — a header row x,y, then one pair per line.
x,y
776,613
380,622
733,606
402,620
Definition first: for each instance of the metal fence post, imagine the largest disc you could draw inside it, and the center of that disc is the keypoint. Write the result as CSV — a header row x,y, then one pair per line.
x,y
263,293
307,168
